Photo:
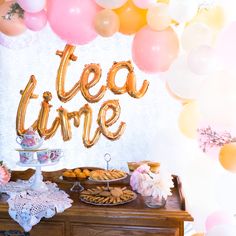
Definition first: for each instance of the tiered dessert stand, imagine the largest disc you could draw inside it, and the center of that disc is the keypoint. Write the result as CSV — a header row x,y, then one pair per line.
x,y
107,158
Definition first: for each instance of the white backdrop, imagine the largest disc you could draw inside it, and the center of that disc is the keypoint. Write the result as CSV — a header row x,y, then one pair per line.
x,y
151,132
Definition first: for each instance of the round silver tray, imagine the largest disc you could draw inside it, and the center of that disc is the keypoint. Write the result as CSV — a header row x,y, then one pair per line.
x,y
109,204
108,180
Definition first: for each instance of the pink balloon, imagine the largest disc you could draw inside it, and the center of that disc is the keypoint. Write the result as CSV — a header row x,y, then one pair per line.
x,y
35,21
218,218
72,20
32,5
154,51
143,3
226,47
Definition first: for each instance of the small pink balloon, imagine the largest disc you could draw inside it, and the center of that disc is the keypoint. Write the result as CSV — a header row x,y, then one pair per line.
x,y
226,47
201,60
32,5
35,21
73,20
218,218
154,51
144,4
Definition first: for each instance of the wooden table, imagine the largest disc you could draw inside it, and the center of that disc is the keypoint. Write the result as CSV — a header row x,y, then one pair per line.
x,y
81,219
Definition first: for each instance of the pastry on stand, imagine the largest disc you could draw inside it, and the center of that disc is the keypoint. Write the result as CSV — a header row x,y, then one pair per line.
x,y
106,195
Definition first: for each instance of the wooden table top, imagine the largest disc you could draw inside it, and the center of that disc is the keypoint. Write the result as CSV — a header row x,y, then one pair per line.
x,y
174,209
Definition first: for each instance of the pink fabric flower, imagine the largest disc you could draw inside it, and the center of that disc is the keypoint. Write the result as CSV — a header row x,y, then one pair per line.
x,y
143,168
151,184
4,175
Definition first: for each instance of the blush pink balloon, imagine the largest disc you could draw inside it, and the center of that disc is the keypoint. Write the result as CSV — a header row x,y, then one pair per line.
x,y
144,4
226,47
32,5
73,20
218,218
35,21
154,51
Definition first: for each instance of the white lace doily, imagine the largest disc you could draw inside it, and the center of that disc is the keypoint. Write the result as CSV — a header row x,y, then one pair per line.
x,y
28,207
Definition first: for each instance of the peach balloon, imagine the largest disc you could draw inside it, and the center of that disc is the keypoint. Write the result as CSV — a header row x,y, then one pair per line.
x,y
154,51
214,17
131,17
175,96
189,119
158,17
228,157
106,23
13,26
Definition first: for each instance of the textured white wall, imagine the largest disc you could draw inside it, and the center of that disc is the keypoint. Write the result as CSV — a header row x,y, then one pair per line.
x,y
151,132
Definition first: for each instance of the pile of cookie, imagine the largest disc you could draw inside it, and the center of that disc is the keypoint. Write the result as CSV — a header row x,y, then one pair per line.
x,y
74,174
101,195
104,175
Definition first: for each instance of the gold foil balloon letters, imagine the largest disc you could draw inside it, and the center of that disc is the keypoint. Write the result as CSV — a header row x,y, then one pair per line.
x,y
64,118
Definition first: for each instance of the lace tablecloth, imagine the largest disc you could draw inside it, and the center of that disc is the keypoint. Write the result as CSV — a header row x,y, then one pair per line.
x,y
28,207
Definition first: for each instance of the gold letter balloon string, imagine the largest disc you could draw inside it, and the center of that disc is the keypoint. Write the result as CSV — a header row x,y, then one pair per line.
x,y
84,85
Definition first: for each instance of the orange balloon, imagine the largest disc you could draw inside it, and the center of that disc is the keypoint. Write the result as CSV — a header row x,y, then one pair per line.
x,y
13,26
228,157
131,17
189,119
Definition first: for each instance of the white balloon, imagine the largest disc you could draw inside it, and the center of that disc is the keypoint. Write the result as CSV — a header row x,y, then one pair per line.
x,y
182,10
182,81
32,6
217,101
201,60
222,230
195,35
111,4
225,191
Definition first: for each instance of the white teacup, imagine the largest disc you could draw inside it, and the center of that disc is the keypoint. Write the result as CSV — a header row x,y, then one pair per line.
x,y
43,156
55,154
26,157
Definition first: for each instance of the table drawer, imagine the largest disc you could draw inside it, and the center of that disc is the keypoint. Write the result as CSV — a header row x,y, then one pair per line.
x,y
108,230
42,229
